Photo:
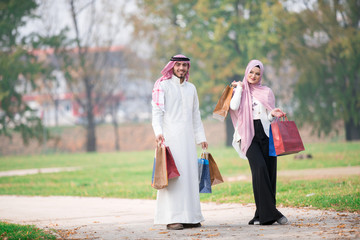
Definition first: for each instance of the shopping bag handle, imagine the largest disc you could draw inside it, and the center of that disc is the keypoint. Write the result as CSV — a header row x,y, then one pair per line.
x,y
282,119
160,143
229,84
204,153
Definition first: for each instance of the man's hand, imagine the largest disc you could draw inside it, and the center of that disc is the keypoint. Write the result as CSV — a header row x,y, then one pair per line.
x,y
159,138
204,145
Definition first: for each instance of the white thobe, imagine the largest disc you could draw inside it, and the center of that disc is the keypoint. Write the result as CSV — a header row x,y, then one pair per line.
x,y
182,129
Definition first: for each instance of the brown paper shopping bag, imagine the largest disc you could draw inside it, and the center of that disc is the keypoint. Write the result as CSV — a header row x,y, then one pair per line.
x,y
222,107
215,175
160,177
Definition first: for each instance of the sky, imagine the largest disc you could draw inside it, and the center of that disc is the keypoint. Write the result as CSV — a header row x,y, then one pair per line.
x,y
55,15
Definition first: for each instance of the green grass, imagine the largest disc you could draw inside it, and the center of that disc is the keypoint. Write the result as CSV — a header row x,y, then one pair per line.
x,y
128,175
337,194
14,231
341,194
124,175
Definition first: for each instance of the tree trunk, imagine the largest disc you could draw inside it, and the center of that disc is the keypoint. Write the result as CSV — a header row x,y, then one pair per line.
x,y
91,125
229,131
56,112
352,131
117,137
116,125
91,136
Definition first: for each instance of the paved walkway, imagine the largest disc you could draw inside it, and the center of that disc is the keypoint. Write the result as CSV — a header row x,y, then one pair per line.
x,y
23,172
111,218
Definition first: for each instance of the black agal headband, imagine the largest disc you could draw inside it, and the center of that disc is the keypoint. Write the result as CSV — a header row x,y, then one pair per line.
x,y
179,59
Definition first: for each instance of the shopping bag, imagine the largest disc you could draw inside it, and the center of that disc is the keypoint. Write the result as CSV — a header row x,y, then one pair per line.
x,y
286,137
171,168
215,175
204,176
159,176
272,151
222,106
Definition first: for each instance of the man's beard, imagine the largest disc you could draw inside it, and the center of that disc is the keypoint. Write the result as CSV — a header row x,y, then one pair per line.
x,y
182,76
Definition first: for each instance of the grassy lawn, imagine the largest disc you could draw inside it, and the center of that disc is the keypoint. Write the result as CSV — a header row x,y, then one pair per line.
x,y
128,175
14,231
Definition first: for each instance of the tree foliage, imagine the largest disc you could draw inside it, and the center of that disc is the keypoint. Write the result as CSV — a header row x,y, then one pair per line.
x,y
18,71
220,37
323,43
318,41
92,66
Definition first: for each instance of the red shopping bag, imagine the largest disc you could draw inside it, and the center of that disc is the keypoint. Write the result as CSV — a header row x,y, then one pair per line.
x,y
171,168
286,137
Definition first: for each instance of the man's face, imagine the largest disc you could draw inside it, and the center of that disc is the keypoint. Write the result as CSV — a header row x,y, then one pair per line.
x,y
180,69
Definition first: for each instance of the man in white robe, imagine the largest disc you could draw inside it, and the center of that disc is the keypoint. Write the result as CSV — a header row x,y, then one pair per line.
x,y
176,122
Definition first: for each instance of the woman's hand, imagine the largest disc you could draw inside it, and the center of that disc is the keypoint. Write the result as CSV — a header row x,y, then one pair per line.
x,y
204,145
236,84
276,112
159,138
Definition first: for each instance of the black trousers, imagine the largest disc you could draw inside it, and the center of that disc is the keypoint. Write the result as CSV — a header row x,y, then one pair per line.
x,y
263,170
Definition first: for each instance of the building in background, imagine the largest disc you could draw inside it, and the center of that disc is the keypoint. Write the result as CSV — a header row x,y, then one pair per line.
x,y
128,100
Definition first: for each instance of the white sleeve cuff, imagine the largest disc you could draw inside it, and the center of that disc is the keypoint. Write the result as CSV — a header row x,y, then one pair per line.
x,y
270,117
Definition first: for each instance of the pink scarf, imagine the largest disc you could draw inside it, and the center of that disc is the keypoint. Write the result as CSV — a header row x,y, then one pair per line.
x,y
167,72
243,117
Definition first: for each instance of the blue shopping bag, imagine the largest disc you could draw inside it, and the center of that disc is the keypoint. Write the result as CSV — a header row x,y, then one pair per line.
x,y
204,176
272,152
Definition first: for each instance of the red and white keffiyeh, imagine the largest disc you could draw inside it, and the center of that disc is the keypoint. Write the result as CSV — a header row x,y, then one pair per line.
x,y
167,72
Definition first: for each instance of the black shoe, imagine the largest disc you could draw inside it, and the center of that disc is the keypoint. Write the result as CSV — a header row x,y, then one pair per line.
x,y
268,223
254,221
283,220
175,226
191,225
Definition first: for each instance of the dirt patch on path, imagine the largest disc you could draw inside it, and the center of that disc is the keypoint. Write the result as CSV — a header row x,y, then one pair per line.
x,y
104,218
307,174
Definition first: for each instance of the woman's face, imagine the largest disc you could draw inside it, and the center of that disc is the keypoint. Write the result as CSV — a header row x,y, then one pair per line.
x,y
254,76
